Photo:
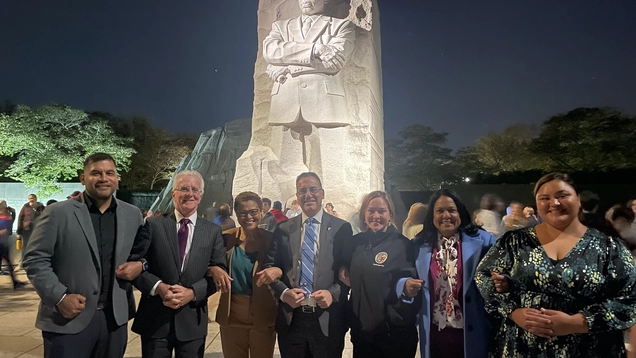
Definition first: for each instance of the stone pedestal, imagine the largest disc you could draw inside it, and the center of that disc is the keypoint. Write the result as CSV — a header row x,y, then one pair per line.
x,y
351,157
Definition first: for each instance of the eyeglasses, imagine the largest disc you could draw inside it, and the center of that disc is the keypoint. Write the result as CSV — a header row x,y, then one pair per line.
x,y
187,189
313,190
253,213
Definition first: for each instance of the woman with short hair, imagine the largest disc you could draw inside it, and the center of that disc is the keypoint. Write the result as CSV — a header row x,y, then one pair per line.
x,y
247,310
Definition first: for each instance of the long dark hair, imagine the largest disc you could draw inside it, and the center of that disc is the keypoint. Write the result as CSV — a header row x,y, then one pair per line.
x,y
429,234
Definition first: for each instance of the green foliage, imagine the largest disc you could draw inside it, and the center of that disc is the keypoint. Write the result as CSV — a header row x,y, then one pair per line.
x,y
51,143
500,152
588,139
418,159
158,154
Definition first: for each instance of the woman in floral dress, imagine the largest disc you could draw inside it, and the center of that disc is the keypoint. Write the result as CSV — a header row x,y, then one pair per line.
x,y
571,289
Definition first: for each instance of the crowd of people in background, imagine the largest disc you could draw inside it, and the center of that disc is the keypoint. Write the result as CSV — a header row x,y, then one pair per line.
x,y
553,278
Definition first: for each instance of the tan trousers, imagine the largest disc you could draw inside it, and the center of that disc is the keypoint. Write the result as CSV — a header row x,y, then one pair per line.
x,y
239,339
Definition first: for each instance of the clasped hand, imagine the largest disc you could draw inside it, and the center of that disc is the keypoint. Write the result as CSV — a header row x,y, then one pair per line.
x,y
295,296
549,323
174,296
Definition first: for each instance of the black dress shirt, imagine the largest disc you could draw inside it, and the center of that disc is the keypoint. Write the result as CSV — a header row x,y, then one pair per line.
x,y
105,227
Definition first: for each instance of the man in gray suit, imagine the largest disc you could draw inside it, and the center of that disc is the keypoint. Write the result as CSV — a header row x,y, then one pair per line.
x,y
309,249
71,260
173,311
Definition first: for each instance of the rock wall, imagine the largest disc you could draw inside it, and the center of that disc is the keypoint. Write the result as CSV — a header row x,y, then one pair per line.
x,y
214,156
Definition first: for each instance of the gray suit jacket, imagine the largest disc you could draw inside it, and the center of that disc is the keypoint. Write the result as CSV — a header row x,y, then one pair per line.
x,y
153,319
285,253
62,257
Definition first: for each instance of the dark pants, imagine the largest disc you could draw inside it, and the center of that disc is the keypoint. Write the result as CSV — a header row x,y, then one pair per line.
x,y
4,255
102,338
163,347
305,339
25,236
398,342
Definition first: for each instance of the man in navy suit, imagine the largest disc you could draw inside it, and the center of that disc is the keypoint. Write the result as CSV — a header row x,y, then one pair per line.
x,y
308,249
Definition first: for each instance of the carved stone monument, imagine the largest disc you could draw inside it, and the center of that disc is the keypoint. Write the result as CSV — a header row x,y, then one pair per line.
x,y
317,101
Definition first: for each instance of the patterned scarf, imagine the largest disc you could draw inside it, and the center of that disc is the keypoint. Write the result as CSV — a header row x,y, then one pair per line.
x,y
447,272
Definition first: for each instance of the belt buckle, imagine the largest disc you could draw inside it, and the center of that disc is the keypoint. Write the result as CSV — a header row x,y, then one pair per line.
x,y
308,309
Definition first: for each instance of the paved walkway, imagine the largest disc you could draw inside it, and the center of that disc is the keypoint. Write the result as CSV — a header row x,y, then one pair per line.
x,y
20,338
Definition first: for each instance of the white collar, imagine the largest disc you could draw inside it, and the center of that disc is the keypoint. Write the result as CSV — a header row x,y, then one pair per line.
x,y
317,217
179,216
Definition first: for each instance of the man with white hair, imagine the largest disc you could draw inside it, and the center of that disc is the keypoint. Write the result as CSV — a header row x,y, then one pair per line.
x,y
172,313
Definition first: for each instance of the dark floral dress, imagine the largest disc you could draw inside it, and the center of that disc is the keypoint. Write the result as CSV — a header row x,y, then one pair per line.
x,y
596,278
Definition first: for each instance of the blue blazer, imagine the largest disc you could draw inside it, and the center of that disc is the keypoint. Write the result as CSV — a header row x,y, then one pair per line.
x,y
477,330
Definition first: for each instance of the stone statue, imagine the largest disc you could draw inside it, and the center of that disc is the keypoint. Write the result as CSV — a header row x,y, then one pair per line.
x,y
305,56
317,101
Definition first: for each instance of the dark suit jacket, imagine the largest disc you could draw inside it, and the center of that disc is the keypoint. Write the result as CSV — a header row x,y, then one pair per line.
x,y
285,253
207,249
62,256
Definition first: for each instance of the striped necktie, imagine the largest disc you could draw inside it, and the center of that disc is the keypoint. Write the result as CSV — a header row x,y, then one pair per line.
x,y
308,256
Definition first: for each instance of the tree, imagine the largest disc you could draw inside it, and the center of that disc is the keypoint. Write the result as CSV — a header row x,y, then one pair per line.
x,y
51,143
498,152
418,159
158,154
587,139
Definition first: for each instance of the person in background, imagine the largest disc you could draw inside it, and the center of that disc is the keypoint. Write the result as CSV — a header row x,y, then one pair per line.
x,y
268,222
488,217
11,212
381,324
571,289
74,195
51,201
452,320
531,218
278,212
247,309
6,221
330,210
294,210
622,221
26,219
590,215
212,212
515,219
414,222
224,220
632,204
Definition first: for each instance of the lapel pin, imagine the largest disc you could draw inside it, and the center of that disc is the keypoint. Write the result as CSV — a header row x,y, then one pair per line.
x,y
328,228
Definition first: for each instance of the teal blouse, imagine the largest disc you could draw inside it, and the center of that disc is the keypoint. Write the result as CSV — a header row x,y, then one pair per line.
x,y
242,268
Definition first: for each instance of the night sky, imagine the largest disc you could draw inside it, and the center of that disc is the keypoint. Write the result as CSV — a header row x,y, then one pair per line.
x,y
463,67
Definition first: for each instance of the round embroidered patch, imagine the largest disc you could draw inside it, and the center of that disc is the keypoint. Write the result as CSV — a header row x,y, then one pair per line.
x,y
381,257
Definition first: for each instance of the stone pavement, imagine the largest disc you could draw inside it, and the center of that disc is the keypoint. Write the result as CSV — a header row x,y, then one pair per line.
x,y
20,338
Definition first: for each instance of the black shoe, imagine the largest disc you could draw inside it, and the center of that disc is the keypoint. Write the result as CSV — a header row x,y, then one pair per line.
x,y
18,285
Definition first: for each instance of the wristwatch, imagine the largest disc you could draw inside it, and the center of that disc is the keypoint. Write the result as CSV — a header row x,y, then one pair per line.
x,y
144,265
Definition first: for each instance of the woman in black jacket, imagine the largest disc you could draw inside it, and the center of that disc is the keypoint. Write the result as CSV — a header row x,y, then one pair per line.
x,y
382,325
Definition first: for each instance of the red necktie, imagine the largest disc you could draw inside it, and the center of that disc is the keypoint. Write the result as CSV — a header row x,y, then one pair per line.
x,y
183,238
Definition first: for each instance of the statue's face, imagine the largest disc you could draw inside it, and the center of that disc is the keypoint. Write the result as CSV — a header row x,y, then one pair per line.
x,y
311,7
